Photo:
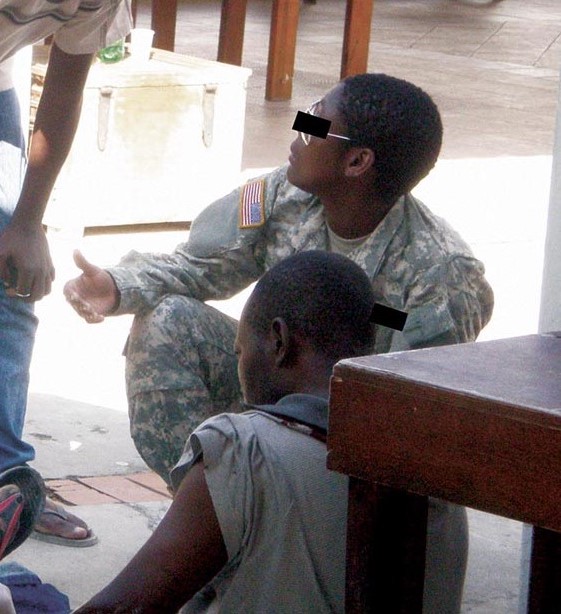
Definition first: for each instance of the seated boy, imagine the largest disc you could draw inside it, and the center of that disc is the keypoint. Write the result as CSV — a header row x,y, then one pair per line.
x,y
258,523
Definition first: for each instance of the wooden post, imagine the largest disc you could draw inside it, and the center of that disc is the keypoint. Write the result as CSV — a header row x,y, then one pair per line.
x,y
544,592
386,542
358,20
232,26
164,15
282,49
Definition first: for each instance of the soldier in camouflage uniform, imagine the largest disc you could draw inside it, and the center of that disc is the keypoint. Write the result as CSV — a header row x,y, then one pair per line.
x,y
348,193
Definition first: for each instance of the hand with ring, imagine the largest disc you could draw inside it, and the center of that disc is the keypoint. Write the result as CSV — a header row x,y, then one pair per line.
x,y
26,267
11,285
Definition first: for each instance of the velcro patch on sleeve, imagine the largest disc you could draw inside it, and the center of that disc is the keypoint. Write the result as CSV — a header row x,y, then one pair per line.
x,y
252,204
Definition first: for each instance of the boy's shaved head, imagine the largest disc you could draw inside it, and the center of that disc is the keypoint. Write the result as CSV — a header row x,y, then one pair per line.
x,y
323,297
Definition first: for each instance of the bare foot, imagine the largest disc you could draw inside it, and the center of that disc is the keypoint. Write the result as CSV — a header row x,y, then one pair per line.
x,y
58,526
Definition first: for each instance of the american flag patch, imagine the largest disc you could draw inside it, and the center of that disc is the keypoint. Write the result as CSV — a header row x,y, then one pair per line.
x,y
252,206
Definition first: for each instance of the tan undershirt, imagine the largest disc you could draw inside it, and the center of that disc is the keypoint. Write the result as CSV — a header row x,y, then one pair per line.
x,y
342,246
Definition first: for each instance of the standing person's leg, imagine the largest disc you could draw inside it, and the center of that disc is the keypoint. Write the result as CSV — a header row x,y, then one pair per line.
x,y
17,321
181,369
18,325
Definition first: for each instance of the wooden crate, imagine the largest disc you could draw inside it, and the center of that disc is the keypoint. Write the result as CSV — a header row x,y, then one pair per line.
x,y
156,142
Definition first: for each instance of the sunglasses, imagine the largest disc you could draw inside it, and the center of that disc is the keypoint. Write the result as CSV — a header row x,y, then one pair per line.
x,y
307,127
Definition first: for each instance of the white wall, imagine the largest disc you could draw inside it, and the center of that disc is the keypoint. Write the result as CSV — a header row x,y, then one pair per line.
x,y
550,307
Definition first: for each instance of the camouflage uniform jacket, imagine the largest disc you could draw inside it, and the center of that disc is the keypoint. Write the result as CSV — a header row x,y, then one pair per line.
x,y
416,261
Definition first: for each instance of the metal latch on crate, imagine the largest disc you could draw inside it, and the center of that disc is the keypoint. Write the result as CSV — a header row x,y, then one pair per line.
x,y
105,95
208,114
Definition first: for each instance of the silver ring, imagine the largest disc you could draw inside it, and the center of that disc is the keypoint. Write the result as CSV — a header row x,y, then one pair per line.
x,y
23,295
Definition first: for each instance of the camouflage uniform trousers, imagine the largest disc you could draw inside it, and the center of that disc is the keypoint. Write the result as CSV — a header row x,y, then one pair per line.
x,y
180,370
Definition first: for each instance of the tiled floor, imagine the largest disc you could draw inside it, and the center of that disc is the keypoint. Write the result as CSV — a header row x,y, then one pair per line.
x,y
492,69
131,488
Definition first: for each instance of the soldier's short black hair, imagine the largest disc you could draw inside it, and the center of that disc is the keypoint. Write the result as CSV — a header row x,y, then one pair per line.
x,y
399,122
323,297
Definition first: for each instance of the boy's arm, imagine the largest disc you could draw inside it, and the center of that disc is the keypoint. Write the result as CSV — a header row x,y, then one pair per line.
x,y
183,554
23,244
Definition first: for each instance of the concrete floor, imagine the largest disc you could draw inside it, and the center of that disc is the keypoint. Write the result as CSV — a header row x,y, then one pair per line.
x,y
493,71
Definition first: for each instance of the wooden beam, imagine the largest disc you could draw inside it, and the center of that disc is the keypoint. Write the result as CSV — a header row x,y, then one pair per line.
x,y
232,27
386,542
282,49
358,21
164,16
544,595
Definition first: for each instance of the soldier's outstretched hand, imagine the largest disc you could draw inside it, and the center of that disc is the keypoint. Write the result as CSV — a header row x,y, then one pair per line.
x,y
93,294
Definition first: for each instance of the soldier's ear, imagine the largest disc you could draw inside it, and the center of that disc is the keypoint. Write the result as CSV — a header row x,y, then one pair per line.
x,y
358,161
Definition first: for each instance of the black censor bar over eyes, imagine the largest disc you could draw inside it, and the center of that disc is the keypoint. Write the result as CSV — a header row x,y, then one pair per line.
x,y
310,124
388,316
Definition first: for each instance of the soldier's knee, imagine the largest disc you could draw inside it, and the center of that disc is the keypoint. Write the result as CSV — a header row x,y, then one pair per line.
x,y
167,322
181,344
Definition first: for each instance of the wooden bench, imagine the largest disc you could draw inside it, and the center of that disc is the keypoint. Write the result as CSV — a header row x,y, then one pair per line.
x,y
478,424
282,43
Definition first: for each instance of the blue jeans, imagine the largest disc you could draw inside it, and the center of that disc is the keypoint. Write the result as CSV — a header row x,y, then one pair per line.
x,y
17,321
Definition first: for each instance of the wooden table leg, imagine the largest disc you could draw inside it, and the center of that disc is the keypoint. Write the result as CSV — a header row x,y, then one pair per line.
x,y
282,49
232,27
386,543
544,594
358,20
164,16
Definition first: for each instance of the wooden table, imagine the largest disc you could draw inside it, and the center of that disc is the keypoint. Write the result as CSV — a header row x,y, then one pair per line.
x,y
478,424
282,43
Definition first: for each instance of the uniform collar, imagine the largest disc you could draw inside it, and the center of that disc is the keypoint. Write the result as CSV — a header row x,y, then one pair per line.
x,y
375,246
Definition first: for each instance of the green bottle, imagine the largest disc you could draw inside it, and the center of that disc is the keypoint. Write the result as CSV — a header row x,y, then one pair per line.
x,y
112,53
